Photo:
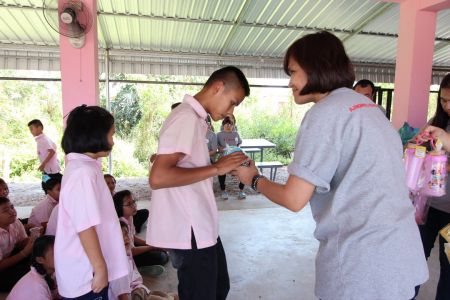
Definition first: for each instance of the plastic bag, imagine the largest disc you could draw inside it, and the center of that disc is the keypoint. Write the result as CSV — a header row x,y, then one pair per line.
x,y
407,133
420,203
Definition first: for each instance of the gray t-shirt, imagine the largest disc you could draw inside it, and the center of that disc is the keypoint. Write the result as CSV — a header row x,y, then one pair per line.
x,y
212,140
442,203
228,138
370,246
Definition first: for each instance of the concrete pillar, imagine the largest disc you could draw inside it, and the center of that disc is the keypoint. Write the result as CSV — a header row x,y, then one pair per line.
x,y
79,67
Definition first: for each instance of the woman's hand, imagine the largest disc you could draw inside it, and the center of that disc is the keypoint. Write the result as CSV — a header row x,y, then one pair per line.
x,y
436,133
246,174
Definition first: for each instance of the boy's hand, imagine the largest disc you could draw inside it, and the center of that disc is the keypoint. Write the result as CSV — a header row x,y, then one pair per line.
x,y
26,251
230,162
41,168
100,280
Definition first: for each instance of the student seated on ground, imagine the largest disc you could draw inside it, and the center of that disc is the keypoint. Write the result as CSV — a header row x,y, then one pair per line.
x,y
133,284
41,212
50,229
143,254
15,246
4,190
39,283
142,214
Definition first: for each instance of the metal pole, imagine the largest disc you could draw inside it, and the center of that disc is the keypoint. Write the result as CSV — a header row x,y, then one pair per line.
x,y
108,102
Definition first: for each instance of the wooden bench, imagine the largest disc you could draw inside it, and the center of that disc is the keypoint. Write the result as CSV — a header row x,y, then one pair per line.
x,y
272,165
252,152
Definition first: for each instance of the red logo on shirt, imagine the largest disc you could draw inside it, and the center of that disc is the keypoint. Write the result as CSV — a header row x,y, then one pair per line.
x,y
361,105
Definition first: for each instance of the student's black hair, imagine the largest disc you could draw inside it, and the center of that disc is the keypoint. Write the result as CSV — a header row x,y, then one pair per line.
x,y
118,201
36,122
40,247
2,182
87,130
50,184
4,200
230,76
109,176
174,105
322,56
227,120
123,225
365,83
441,117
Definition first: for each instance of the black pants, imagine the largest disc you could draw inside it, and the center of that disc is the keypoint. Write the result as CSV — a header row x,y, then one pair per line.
x,y
10,276
222,183
103,295
155,257
436,220
140,218
202,273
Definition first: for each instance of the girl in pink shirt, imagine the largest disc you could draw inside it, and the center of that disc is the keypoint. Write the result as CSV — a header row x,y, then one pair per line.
x,y
89,250
38,284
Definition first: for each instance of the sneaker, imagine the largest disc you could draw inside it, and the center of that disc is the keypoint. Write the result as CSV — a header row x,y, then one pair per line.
x,y
224,195
242,195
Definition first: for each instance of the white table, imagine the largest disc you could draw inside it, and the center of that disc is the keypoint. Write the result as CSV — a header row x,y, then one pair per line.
x,y
257,143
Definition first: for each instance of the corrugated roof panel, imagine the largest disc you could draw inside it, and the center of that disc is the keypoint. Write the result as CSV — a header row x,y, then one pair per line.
x,y
372,48
386,22
443,24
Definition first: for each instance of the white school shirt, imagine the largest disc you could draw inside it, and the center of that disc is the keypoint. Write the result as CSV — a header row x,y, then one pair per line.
x,y
85,201
31,286
174,211
44,144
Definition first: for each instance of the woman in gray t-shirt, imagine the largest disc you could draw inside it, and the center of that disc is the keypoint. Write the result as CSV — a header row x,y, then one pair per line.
x,y
348,166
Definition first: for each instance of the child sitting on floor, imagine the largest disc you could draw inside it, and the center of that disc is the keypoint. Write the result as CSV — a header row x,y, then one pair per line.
x,y
133,284
142,214
4,190
143,254
15,246
41,212
39,283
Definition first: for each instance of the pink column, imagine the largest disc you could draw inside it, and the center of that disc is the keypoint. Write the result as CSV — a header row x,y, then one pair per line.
x,y
79,67
415,50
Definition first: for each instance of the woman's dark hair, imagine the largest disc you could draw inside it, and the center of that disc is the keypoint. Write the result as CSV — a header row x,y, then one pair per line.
x,y
441,117
87,130
40,247
118,201
4,200
227,120
50,184
322,56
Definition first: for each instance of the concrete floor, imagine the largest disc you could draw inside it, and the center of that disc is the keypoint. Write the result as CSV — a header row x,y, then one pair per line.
x,y
270,252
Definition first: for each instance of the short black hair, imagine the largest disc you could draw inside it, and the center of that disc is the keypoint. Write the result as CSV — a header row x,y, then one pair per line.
x,y
441,117
50,184
36,122
322,56
174,105
4,200
109,176
227,120
118,201
365,83
40,247
87,130
231,77
3,182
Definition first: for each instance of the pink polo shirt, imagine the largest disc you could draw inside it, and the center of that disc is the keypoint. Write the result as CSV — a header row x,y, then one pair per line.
x,y
31,286
41,212
85,201
43,145
10,237
173,211
131,229
52,222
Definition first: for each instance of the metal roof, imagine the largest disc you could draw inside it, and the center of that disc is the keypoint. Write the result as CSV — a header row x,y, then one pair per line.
x,y
195,37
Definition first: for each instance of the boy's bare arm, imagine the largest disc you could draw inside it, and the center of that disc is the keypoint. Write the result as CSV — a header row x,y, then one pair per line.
x,y
165,173
50,154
